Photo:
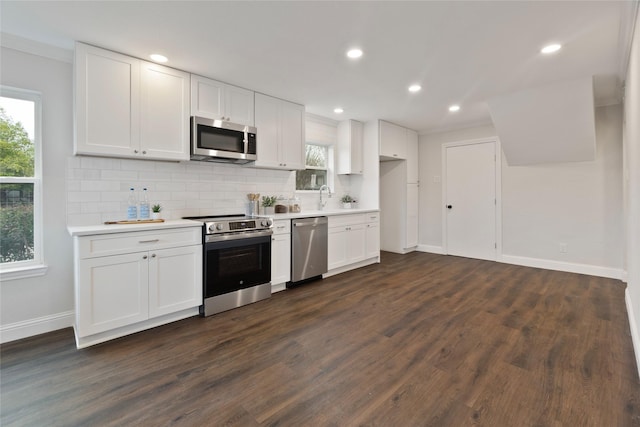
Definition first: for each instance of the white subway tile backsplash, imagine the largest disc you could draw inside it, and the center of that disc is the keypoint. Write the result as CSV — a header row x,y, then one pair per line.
x,y
97,188
90,185
120,175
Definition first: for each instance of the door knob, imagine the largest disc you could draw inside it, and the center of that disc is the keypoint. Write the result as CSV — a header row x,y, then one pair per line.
x,y
449,206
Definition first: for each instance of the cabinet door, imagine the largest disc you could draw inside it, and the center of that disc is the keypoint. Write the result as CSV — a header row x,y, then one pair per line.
x,y
280,258
337,247
372,240
111,292
239,105
393,141
164,113
412,156
356,243
207,98
411,239
350,147
107,92
291,150
267,123
175,279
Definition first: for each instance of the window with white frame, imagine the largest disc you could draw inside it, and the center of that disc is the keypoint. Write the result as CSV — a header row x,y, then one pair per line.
x,y
317,170
20,179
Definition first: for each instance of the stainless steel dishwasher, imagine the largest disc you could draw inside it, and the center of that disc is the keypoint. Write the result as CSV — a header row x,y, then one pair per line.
x,y
308,249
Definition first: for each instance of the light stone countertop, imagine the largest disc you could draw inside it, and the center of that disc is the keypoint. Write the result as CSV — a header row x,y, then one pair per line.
x,y
315,213
88,230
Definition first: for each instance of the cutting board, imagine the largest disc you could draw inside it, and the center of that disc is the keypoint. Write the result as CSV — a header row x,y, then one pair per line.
x,y
137,221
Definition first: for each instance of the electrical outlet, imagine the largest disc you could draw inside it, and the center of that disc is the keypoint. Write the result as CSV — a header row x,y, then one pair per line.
x,y
563,248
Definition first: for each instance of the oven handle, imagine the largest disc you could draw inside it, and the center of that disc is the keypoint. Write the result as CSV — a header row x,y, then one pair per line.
x,y
237,236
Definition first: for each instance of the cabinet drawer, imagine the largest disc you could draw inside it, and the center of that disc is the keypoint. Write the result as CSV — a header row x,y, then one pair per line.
x,y
122,243
340,220
282,227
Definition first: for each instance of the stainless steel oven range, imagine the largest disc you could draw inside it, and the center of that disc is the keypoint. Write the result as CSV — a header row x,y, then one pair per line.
x,y
236,260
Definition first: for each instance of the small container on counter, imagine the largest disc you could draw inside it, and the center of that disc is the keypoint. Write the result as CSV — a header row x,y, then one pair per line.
x,y
282,205
294,205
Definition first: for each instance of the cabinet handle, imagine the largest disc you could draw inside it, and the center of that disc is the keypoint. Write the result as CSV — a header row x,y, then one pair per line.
x,y
149,241
144,257
135,151
153,255
144,152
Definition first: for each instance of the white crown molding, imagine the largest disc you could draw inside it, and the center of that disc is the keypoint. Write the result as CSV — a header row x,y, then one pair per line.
x,y
33,47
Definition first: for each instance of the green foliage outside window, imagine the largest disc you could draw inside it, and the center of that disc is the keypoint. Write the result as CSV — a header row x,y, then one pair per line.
x,y
315,174
16,199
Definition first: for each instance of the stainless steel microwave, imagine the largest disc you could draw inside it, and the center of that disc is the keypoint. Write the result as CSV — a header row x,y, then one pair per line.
x,y
220,141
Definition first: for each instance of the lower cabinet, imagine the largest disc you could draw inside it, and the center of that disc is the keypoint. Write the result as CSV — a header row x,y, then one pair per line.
x,y
117,293
372,236
351,240
280,254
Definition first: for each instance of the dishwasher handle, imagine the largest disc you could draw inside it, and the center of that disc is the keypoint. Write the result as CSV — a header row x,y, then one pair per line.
x,y
312,222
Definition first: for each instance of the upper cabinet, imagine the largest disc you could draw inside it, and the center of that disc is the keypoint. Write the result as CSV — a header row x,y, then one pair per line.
x,y
399,143
393,141
350,147
220,101
126,107
280,133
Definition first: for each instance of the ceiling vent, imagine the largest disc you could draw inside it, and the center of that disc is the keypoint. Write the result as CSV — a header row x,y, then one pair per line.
x,y
550,124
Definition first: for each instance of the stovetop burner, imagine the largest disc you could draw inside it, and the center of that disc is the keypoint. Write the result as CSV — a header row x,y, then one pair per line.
x,y
218,224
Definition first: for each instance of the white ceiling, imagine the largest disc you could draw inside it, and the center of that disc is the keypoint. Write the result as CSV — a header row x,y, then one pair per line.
x,y
460,52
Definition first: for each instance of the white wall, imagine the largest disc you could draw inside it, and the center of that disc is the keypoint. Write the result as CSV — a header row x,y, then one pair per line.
x,y
578,204
38,304
632,187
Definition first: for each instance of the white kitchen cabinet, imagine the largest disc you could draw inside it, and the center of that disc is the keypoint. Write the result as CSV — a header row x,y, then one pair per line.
x,y
350,146
411,228
126,107
175,279
280,132
412,156
372,236
393,141
280,254
126,282
112,292
164,113
346,240
220,101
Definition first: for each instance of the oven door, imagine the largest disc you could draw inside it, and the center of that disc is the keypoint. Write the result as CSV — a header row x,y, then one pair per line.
x,y
236,261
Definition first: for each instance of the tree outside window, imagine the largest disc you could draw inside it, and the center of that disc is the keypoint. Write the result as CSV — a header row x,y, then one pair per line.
x,y
18,178
316,166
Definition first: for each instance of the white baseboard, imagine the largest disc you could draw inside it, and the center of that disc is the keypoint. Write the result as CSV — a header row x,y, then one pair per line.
x,y
635,338
431,249
40,325
591,270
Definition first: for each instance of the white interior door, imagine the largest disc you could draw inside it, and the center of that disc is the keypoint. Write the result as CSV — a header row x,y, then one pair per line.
x,y
470,200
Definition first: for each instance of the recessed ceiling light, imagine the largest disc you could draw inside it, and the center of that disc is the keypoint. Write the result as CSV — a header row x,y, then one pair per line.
x,y
415,88
158,58
454,108
550,48
338,110
354,53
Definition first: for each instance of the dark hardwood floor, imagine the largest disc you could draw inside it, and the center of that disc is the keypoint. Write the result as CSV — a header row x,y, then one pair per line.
x,y
418,340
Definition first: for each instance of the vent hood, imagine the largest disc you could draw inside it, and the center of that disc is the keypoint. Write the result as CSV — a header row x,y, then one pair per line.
x,y
550,124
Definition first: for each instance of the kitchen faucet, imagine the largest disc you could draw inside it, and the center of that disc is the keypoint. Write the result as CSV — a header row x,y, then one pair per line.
x,y
322,203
